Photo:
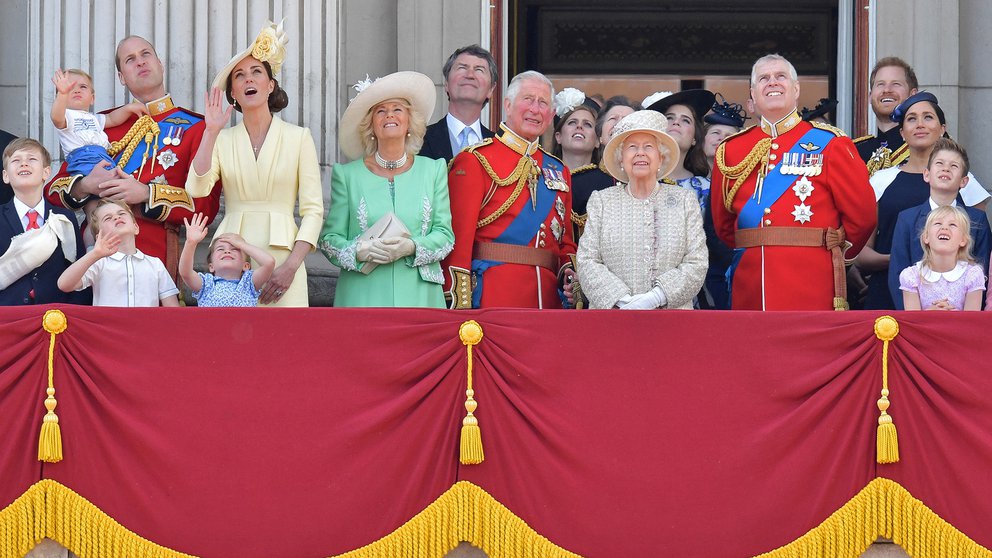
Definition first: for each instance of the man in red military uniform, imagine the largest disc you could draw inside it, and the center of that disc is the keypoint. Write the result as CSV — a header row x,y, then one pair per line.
x,y
511,205
789,196
154,158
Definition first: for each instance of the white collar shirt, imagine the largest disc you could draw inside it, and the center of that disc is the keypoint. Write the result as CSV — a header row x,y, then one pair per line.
x,y
129,280
455,128
22,212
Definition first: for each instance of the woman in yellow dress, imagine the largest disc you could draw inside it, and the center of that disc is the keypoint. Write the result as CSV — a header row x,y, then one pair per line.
x,y
265,164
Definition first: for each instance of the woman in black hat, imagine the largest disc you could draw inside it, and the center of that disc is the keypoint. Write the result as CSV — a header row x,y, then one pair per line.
x,y
685,111
922,123
724,120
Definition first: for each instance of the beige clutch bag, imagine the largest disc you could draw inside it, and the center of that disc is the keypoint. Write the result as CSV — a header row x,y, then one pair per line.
x,y
387,226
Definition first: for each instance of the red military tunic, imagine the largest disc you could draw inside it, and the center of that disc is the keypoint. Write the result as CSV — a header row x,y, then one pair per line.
x,y
166,165
792,277
492,205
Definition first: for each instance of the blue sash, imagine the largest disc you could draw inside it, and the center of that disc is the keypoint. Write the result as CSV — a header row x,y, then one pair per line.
x,y
523,228
168,127
774,186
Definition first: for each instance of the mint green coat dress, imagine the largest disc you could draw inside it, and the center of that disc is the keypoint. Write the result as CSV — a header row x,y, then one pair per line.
x,y
420,199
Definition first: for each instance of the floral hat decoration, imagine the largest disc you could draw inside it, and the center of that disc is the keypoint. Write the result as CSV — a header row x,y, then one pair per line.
x,y
568,100
415,87
269,46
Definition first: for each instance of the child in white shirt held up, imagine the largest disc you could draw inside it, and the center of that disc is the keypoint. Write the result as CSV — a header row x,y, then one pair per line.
x,y
231,281
120,274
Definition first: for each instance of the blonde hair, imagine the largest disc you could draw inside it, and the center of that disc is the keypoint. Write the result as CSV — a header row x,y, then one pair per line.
x,y
81,73
416,130
964,224
94,224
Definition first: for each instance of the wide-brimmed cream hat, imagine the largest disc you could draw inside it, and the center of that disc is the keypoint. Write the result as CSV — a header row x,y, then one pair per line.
x,y
269,46
415,87
644,121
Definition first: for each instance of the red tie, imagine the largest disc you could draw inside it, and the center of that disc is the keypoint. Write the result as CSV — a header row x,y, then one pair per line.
x,y
32,220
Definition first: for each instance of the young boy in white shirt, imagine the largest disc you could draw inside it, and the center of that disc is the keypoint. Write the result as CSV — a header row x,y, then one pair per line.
x,y
121,275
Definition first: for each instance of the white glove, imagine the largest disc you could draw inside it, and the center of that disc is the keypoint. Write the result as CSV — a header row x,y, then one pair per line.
x,y
624,301
367,251
646,301
388,250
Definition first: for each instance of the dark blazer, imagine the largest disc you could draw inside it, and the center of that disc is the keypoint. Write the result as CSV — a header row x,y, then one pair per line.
x,y
44,279
436,142
907,250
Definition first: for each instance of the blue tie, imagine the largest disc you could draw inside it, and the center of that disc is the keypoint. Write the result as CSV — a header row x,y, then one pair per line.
x,y
463,137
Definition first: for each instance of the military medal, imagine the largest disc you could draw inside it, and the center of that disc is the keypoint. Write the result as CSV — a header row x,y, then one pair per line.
x,y
802,213
167,158
560,207
556,229
803,188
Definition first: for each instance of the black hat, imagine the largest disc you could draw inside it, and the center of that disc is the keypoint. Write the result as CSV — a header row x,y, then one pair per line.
x,y
700,100
820,110
900,111
726,113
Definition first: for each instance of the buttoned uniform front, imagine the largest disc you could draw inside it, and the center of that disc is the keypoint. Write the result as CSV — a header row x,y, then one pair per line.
x,y
792,277
162,164
129,280
260,195
483,211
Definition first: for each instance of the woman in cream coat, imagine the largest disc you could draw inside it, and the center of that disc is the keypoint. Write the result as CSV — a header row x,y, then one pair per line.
x,y
266,166
643,246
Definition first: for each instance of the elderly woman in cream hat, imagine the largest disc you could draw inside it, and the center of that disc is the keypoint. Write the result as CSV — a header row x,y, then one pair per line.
x,y
389,225
643,246
266,165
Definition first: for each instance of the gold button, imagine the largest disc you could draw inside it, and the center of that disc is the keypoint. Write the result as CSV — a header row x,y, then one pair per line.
x,y
774,146
768,210
772,157
770,166
543,226
768,221
542,234
541,244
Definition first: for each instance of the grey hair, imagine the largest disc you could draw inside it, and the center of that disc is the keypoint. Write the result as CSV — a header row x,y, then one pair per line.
x,y
529,75
663,151
772,58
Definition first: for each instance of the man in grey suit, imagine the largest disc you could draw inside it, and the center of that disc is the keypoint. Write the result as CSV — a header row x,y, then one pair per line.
x,y
469,79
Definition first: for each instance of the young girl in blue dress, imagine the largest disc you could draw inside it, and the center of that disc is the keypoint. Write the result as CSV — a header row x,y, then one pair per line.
x,y
231,281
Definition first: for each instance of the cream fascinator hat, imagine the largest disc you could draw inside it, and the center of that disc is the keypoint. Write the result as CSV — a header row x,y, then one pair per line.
x,y
643,121
414,87
269,46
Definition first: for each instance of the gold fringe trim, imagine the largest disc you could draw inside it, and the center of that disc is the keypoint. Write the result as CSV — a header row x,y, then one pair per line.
x,y
886,438
883,508
464,513
50,439
52,510
470,446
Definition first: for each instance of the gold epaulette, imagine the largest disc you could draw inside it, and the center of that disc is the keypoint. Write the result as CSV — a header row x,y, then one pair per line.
x,y
583,169
832,129
168,198
474,146
863,138
61,185
741,133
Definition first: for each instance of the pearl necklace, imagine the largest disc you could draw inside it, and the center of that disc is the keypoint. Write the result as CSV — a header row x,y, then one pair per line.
x,y
390,165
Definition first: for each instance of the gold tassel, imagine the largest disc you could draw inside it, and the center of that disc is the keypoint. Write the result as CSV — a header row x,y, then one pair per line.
x,y
470,449
50,440
886,439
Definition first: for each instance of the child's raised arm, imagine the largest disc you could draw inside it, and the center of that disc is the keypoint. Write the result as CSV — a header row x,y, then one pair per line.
x,y
63,86
196,231
121,114
266,263
72,278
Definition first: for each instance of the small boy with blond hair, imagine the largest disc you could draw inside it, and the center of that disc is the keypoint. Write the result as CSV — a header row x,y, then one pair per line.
x,y
38,241
231,281
120,274
81,133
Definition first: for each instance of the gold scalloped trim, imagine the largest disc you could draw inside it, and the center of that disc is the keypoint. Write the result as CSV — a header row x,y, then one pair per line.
x,y
883,508
468,513
50,509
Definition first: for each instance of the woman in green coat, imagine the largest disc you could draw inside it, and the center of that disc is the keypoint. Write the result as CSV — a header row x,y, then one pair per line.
x,y
389,225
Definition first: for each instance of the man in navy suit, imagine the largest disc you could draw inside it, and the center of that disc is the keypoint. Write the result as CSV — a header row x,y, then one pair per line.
x,y
947,173
469,78
38,241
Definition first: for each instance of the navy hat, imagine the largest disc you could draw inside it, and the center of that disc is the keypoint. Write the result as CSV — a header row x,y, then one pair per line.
x,y
820,110
700,100
900,111
726,114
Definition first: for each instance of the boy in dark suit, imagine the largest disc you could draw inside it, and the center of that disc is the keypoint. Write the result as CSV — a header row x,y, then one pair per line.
x,y
38,241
